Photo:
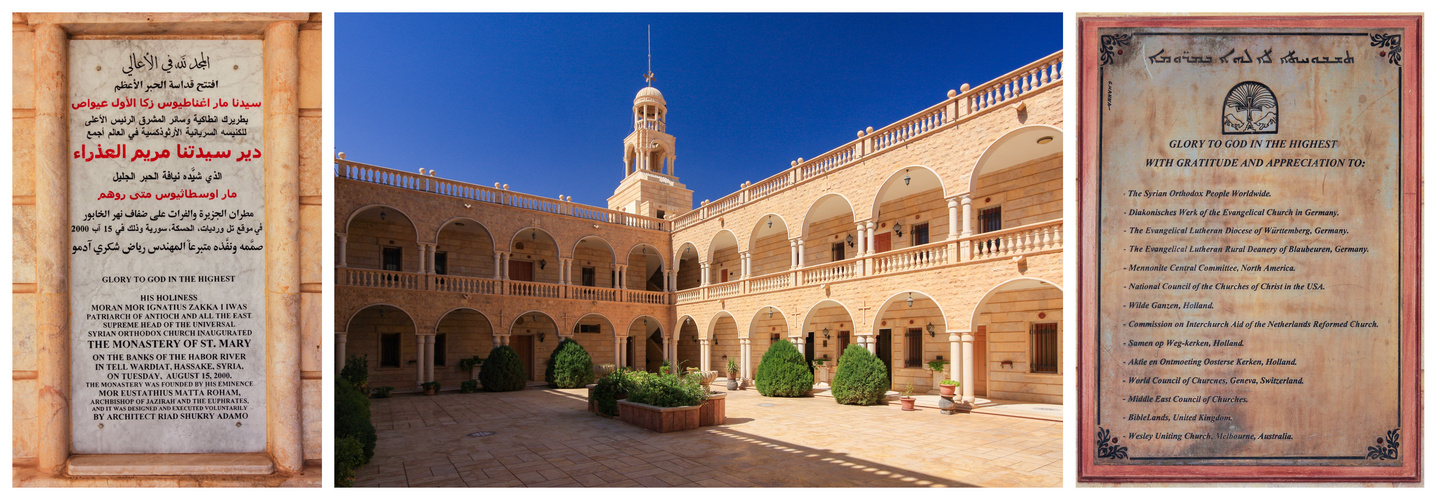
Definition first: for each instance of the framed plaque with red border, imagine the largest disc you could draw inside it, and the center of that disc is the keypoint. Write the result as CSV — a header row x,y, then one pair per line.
x,y
1249,252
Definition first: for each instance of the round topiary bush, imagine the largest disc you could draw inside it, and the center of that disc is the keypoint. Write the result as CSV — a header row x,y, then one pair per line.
x,y
861,379
569,366
783,372
502,371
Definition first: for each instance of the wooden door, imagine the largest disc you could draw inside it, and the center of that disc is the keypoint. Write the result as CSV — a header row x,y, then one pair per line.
x,y
884,350
524,345
521,270
808,351
723,275
882,242
980,362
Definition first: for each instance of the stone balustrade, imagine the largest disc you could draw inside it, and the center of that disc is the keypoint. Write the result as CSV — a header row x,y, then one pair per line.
x,y
908,259
1047,235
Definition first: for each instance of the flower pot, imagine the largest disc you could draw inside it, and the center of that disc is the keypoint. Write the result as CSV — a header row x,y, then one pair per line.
x,y
907,403
430,392
707,378
732,384
711,412
659,419
947,390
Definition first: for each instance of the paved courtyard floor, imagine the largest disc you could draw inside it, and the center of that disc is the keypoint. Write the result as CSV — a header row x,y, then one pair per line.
x,y
547,437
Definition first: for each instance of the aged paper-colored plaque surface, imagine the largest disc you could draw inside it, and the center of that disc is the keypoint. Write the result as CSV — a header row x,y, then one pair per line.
x,y
167,246
1245,267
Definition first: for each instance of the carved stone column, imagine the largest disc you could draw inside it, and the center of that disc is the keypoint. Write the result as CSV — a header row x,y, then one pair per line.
x,y
341,339
282,259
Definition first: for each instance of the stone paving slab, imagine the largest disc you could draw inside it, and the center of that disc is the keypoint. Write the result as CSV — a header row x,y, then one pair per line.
x,y
548,438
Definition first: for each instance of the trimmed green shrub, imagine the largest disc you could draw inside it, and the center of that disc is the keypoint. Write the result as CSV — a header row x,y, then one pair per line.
x,y
351,417
569,366
861,379
349,454
468,386
667,391
613,387
356,371
783,372
502,370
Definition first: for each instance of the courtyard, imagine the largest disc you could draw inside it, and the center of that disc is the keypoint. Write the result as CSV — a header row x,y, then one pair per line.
x,y
547,437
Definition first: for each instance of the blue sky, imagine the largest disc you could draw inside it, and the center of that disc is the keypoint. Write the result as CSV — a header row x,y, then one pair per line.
x,y
542,101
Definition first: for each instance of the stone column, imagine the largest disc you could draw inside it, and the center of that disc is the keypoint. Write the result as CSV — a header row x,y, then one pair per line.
x,y
800,252
871,226
340,340
419,370
704,274
955,348
793,253
862,240
798,342
953,218
282,242
620,275
968,368
506,266
423,255
624,351
967,216
618,352
868,343
342,260
703,354
745,354
429,358
498,265
52,246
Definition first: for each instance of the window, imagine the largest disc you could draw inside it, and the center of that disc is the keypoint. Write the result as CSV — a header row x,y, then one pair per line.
x,y
773,339
1045,348
589,328
389,350
920,234
661,214
842,342
391,258
913,348
587,276
441,263
989,220
440,346
837,251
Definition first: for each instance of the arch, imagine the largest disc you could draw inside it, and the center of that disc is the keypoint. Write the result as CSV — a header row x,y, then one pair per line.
x,y
679,252
714,242
573,251
682,320
1004,286
762,224
463,218
921,179
824,206
657,324
520,316
613,330
657,253
901,297
349,323
714,321
352,215
997,150
534,233
688,275
462,308
808,316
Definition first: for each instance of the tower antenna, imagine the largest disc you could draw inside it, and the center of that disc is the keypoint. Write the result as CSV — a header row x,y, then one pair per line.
x,y
649,77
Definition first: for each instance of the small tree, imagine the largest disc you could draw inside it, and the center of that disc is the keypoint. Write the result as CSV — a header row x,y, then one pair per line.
x,y
861,379
356,371
502,370
783,372
569,366
351,417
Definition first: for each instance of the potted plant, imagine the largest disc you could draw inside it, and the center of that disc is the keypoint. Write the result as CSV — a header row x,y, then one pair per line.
x,y
381,392
948,387
906,400
469,386
940,370
732,374
430,388
471,365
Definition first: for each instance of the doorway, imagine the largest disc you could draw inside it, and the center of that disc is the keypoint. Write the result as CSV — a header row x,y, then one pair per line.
x,y
808,351
521,270
980,361
524,345
884,350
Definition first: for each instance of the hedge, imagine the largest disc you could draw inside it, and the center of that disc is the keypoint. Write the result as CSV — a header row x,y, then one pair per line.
x,y
861,379
351,420
502,371
667,391
569,366
783,372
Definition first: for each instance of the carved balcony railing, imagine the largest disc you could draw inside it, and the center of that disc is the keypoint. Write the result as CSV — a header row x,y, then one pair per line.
x,y
911,258
373,278
825,273
1035,237
646,297
594,293
768,283
345,169
464,284
1037,75
722,290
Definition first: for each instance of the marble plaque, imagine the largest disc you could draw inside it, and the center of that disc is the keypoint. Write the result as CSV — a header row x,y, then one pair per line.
x,y
167,246
1247,277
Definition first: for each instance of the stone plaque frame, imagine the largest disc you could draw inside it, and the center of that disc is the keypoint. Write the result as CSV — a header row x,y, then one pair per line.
x,y
1195,469
282,281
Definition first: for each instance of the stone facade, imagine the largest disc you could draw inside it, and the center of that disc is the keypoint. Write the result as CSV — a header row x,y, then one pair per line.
x,y
294,115
939,236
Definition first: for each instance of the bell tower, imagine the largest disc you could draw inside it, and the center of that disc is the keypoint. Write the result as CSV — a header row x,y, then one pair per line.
x,y
650,186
